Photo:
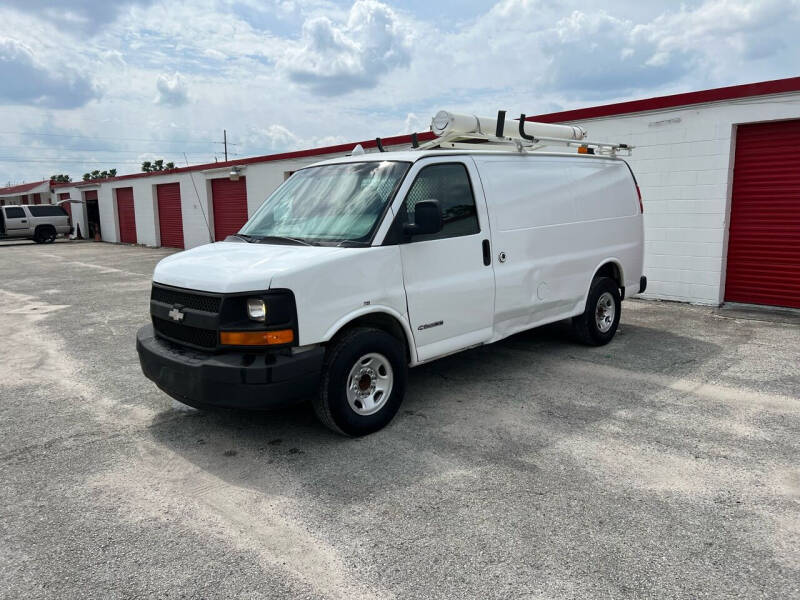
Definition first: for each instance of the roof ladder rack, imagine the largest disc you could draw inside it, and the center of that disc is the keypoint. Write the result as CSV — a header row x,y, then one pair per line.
x,y
468,132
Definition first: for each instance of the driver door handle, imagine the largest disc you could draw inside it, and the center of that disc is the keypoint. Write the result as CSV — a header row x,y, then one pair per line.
x,y
487,253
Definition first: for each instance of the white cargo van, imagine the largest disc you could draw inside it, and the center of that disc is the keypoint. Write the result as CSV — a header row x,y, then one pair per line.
x,y
359,267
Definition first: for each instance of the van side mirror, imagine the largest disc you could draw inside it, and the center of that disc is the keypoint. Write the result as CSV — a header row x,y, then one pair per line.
x,y
427,219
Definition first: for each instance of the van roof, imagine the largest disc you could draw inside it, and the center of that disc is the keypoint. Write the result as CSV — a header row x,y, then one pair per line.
x,y
415,155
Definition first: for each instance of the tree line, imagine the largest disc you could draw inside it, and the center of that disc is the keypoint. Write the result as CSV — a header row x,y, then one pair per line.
x,y
147,167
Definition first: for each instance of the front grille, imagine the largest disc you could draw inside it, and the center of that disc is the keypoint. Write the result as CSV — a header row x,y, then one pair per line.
x,y
196,301
203,338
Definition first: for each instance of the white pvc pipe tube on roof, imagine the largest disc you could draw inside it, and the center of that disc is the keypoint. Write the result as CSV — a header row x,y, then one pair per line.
x,y
450,123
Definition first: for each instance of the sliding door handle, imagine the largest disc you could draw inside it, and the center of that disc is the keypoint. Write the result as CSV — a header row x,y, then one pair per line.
x,y
487,253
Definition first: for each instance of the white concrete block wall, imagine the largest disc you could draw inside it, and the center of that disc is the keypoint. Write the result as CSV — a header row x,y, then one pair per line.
x,y
107,202
198,226
143,209
683,162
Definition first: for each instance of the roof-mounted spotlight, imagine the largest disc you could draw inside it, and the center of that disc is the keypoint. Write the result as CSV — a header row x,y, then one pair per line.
x,y
235,173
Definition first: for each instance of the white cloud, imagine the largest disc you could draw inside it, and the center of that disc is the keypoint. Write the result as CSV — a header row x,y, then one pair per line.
x,y
334,58
88,15
414,123
26,80
277,138
276,74
172,90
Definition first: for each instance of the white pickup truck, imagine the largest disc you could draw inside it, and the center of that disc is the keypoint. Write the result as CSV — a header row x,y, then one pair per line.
x,y
357,268
41,223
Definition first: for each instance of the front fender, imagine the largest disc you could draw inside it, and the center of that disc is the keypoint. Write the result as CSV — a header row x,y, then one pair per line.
x,y
376,309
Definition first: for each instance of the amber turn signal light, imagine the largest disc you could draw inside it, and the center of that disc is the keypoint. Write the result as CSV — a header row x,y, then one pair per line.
x,y
256,338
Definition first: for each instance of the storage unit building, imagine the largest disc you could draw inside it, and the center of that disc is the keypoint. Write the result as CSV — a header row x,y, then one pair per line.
x,y
24,193
719,186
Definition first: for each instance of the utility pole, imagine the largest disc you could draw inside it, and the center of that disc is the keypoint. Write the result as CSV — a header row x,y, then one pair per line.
x,y
225,142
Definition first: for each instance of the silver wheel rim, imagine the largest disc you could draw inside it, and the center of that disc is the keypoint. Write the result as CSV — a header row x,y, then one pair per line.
x,y
605,312
369,384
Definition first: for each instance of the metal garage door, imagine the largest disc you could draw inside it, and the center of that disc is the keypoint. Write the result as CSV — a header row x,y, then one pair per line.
x,y
229,199
170,217
126,215
764,240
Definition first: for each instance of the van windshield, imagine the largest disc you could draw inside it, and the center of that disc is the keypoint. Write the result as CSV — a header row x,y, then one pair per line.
x,y
328,204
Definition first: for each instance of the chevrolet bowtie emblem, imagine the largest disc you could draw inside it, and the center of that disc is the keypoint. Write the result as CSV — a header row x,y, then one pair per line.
x,y
176,315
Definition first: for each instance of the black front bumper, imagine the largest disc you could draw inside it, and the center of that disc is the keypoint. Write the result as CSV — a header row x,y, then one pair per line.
x,y
254,380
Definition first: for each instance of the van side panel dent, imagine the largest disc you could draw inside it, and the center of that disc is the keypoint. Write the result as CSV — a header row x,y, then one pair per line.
x,y
557,219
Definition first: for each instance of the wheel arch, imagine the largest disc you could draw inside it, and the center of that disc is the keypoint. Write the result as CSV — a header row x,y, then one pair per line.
x,y
379,317
610,267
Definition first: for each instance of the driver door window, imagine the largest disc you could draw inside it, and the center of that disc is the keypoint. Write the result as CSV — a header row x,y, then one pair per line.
x,y
448,183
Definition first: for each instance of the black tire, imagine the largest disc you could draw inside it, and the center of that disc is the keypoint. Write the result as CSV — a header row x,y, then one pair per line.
x,y
586,326
331,403
44,235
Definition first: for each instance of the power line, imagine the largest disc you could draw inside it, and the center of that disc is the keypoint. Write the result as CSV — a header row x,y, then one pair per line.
x,y
62,150
113,138
70,161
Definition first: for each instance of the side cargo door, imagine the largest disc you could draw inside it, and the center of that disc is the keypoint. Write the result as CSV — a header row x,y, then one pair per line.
x,y
448,276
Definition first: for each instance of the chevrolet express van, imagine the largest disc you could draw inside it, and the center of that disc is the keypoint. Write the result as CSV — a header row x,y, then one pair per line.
x,y
359,267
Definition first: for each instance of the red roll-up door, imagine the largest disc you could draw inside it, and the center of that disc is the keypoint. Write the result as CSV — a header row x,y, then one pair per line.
x,y
229,199
126,215
764,238
37,198
170,217
67,206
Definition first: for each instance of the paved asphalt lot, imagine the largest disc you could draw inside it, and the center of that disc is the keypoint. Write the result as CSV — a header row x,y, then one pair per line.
x,y
665,465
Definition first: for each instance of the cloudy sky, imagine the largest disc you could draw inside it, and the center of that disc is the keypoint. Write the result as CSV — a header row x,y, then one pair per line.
x,y
95,84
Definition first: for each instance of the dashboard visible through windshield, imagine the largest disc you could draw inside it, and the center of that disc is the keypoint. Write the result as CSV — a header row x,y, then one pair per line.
x,y
329,204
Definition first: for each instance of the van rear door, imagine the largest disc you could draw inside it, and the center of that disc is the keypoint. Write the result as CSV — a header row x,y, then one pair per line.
x,y
449,285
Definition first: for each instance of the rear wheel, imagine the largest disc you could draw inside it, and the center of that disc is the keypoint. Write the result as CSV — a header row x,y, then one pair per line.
x,y
363,382
44,235
599,321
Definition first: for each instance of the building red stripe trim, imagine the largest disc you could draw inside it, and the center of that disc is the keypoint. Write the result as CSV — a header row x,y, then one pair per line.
x,y
387,141
777,86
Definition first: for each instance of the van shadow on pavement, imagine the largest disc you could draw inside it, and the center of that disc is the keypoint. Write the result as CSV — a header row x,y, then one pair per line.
x,y
486,406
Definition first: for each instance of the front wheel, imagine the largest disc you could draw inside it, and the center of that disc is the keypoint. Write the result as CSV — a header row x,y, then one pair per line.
x,y
599,321
363,382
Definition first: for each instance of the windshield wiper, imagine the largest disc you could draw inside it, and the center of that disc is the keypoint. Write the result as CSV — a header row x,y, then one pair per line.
x,y
266,239
241,236
353,243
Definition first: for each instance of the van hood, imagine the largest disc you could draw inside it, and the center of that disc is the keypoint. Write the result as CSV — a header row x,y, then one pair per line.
x,y
229,267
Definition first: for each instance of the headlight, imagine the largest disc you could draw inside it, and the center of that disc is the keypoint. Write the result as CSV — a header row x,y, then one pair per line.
x,y
256,309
